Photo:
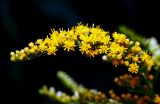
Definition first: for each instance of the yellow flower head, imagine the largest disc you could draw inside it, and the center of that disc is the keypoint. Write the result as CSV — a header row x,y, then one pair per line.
x,y
69,45
136,48
157,99
135,58
145,56
119,38
116,51
133,68
84,47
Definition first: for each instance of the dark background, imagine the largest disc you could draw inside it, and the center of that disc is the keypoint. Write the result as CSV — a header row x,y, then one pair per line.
x,y
23,21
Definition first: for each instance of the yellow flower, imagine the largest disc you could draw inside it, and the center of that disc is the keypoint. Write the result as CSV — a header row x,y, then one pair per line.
x,y
114,48
105,39
135,58
103,49
137,43
22,56
91,53
126,63
157,99
81,30
39,41
96,31
26,50
84,38
71,35
136,48
128,56
31,44
133,68
61,37
13,56
145,56
93,38
32,50
51,50
69,45
42,47
149,64
116,51
84,47
119,38
127,41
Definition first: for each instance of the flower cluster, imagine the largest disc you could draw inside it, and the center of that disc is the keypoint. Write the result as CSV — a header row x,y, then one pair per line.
x,y
129,98
149,43
81,95
131,81
58,96
127,80
90,41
